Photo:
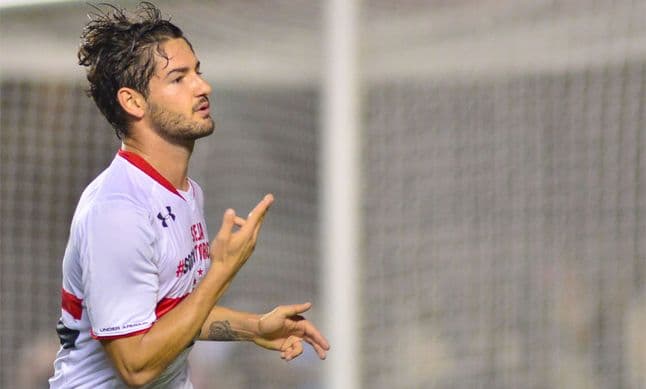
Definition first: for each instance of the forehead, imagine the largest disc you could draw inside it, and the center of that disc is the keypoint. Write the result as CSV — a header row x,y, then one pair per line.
x,y
173,53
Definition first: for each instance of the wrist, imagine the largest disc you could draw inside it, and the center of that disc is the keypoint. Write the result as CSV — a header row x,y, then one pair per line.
x,y
252,327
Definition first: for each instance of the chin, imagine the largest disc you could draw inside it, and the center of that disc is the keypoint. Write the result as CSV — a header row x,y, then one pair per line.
x,y
208,129
199,132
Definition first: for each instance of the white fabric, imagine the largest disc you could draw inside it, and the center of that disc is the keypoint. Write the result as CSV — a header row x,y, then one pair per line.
x,y
135,247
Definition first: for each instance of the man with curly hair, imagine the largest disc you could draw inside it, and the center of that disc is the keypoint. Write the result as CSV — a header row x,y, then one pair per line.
x,y
140,279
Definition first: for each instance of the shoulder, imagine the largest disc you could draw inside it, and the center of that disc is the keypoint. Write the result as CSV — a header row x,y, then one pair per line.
x,y
112,206
117,187
113,200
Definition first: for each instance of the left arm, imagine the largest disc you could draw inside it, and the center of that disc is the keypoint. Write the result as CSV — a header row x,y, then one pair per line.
x,y
282,329
224,324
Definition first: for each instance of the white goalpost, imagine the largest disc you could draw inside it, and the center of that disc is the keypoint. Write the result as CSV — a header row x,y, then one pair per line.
x,y
339,192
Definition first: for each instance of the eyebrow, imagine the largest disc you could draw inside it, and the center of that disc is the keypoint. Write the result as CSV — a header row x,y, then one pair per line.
x,y
183,69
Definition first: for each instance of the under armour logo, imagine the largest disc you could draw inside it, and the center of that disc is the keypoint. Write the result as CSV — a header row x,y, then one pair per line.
x,y
163,218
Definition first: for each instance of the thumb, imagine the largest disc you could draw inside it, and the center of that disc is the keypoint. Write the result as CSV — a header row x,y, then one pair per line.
x,y
295,309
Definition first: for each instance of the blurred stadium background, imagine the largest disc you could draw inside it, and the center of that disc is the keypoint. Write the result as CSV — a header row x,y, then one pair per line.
x,y
503,162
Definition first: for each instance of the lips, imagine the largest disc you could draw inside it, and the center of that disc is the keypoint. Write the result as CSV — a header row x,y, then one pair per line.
x,y
202,107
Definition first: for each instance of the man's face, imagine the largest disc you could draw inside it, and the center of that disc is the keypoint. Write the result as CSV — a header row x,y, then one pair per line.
x,y
178,103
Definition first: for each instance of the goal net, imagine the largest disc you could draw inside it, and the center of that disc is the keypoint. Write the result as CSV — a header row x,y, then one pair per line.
x,y
503,185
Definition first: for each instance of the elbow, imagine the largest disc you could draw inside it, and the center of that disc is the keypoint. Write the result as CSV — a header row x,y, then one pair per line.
x,y
132,362
136,379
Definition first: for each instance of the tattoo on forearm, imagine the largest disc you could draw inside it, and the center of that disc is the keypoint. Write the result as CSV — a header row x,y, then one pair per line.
x,y
222,331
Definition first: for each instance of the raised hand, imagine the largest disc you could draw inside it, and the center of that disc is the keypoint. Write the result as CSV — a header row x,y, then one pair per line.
x,y
284,330
233,248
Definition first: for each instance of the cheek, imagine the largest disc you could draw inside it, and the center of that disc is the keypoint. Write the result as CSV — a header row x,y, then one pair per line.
x,y
169,92
174,102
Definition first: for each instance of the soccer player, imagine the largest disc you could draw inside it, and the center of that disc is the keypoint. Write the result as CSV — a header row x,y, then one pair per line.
x,y
140,279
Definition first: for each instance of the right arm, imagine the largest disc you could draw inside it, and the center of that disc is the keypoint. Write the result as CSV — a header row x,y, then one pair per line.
x,y
141,358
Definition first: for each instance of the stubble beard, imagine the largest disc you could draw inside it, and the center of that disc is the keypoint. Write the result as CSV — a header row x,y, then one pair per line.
x,y
176,128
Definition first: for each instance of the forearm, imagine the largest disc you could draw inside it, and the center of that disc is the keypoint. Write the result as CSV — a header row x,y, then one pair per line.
x,y
224,324
142,358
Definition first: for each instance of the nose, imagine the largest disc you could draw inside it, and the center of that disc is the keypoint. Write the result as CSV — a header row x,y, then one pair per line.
x,y
203,88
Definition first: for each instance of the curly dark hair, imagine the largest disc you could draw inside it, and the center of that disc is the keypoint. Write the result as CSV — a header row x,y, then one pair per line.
x,y
119,51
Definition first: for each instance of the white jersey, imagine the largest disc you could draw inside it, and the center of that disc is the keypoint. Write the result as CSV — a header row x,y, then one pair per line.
x,y
137,247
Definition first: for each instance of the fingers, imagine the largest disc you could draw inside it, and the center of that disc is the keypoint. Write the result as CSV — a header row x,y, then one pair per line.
x,y
320,350
257,215
227,225
291,348
238,221
314,337
295,309
262,206
305,329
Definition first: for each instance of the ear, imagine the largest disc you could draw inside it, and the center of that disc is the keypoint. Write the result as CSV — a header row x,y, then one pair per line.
x,y
132,102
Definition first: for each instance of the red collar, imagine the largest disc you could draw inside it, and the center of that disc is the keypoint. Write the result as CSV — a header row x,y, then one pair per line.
x,y
147,168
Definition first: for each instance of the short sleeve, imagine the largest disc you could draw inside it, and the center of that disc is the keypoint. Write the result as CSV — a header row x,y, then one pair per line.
x,y
120,274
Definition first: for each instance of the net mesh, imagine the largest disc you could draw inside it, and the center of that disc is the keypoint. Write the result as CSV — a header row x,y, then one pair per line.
x,y
506,248
503,204
52,144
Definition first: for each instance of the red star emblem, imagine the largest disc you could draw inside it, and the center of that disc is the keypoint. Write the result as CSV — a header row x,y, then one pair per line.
x,y
200,271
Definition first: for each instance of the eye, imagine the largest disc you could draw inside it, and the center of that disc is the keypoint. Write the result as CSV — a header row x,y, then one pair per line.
x,y
178,79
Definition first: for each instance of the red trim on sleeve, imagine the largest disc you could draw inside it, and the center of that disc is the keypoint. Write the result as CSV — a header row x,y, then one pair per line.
x,y
163,307
72,304
166,304
110,337
147,168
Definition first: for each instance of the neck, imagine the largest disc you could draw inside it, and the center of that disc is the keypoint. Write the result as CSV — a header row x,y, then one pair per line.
x,y
169,159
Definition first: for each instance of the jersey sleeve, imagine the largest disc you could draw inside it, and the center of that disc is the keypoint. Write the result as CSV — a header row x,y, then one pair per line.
x,y
120,273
